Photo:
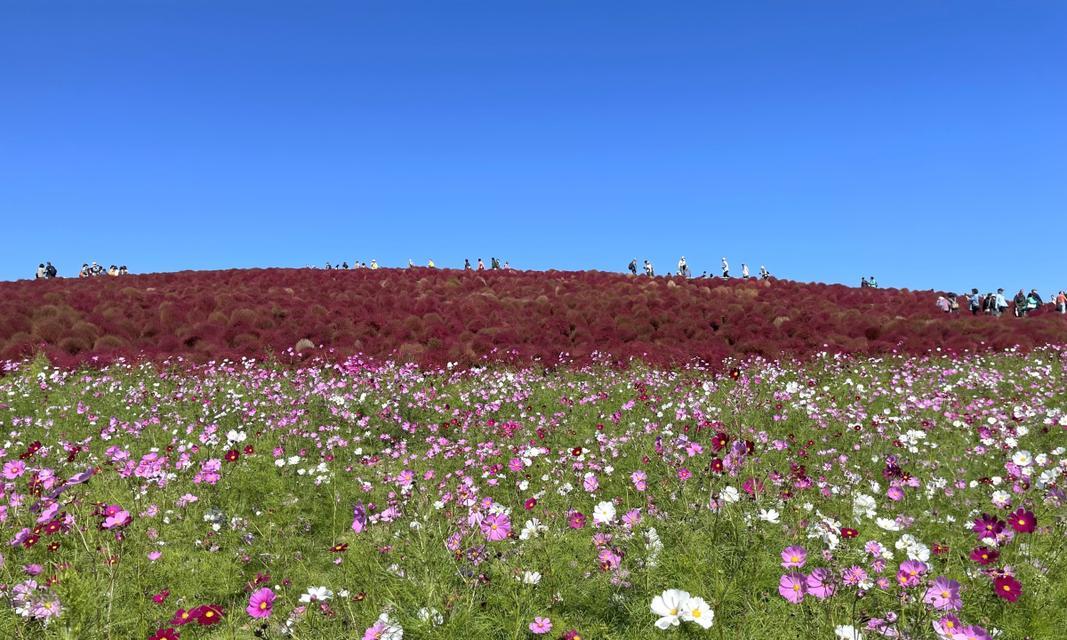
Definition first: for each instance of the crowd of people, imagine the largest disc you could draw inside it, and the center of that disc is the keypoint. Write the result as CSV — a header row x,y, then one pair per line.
x,y
997,304
685,272
47,270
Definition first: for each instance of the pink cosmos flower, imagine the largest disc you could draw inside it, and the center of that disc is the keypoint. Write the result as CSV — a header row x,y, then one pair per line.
x,y
791,587
820,583
794,557
910,573
947,626
496,527
541,625
943,594
576,520
260,603
640,480
120,519
14,469
359,518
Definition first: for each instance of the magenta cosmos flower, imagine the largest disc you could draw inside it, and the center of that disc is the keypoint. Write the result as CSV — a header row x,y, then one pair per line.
x,y
984,555
1023,521
791,586
496,527
261,603
794,557
987,526
359,518
943,594
541,625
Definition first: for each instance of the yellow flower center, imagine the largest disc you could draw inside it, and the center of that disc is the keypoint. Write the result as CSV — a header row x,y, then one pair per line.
x,y
263,605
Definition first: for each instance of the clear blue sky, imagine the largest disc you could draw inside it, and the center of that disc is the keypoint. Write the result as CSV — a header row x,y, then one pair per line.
x,y
921,141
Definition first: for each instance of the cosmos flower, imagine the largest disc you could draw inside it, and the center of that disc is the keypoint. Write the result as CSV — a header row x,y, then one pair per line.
x,y
260,603
669,607
496,527
792,587
540,625
1023,521
794,557
943,594
1008,588
697,611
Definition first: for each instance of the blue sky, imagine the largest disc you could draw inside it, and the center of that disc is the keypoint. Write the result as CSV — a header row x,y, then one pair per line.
x,y
924,142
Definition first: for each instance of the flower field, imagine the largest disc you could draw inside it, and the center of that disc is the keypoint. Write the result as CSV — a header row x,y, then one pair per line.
x,y
436,316
843,497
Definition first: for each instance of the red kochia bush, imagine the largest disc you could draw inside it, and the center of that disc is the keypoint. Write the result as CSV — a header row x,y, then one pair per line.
x,y
436,316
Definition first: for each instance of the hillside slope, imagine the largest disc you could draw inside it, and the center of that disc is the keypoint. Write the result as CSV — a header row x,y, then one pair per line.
x,y
439,316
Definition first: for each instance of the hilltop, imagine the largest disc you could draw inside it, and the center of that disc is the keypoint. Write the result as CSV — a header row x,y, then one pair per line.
x,y
435,316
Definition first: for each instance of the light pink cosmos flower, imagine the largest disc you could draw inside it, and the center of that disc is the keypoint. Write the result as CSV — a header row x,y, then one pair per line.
x,y
791,586
14,469
541,625
943,594
820,583
640,480
794,557
119,519
496,527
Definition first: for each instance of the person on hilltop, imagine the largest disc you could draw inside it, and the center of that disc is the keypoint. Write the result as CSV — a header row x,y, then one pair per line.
x,y
744,270
683,267
632,267
123,271
872,283
507,265
1000,304
1033,300
649,271
113,271
466,264
411,263
1061,302
50,270
430,264
943,305
763,273
40,275
344,264
373,264
974,302
725,268
863,282
1018,302
481,265
494,264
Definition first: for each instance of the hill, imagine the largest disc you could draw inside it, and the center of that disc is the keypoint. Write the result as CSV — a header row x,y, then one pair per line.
x,y
439,316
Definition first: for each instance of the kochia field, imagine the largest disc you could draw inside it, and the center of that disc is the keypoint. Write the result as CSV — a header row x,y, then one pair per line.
x,y
433,317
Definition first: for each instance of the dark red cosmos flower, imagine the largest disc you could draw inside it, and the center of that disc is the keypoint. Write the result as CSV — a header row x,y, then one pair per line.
x,y
208,614
577,451
717,465
165,634
232,455
183,616
940,549
984,555
249,450
529,504
1023,521
158,598
340,547
719,440
849,533
1008,588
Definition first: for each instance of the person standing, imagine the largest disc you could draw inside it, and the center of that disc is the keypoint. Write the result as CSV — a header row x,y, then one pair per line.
x,y
744,270
1001,303
683,267
40,275
974,302
466,264
942,303
725,268
1061,302
633,267
763,273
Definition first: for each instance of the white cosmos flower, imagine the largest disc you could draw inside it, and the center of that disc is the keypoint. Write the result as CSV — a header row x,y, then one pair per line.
x,y
887,524
848,632
696,610
769,515
320,594
729,495
863,505
431,615
604,513
1022,458
234,436
668,606
531,577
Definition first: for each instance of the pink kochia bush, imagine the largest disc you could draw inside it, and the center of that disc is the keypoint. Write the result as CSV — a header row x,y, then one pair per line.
x,y
437,316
